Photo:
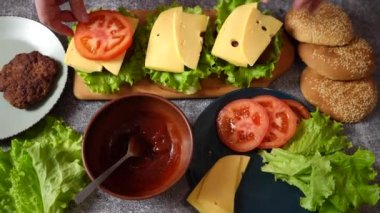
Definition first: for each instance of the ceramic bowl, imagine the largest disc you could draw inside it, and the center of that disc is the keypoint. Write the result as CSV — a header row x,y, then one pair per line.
x,y
163,145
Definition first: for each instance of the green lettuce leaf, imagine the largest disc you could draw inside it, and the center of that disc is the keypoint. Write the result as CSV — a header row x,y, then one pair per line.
x,y
353,175
6,200
318,134
311,174
316,162
131,70
44,168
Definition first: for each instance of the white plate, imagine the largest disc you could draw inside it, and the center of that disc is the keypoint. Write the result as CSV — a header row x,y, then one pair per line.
x,y
21,35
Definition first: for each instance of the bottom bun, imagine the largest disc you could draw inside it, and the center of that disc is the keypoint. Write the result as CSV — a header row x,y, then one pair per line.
x,y
345,101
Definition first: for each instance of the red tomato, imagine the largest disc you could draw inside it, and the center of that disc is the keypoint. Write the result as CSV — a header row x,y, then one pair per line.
x,y
242,125
107,35
283,121
299,109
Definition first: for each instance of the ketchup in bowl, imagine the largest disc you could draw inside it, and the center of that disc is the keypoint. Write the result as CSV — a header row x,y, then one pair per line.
x,y
161,149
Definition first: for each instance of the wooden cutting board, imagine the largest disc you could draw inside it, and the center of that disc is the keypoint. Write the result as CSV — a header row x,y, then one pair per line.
x,y
211,87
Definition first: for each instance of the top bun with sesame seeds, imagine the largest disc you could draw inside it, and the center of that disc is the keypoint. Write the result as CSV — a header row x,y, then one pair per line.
x,y
327,25
350,62
345,101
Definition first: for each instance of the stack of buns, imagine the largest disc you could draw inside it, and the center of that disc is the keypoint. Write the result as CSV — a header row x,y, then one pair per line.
x,y
338,78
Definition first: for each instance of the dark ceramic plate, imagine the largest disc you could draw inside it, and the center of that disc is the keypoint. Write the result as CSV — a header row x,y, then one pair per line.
x,y
258,191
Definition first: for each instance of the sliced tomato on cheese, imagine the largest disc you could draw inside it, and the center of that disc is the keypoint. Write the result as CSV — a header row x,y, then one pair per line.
x,y
283,121
242,125
107,35
299,109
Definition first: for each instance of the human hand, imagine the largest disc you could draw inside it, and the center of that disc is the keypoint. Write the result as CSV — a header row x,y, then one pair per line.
x,y
309,4
51,15
297,4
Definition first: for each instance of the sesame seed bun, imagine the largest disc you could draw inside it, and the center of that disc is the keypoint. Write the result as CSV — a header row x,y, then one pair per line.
x,y
327,25
345,101
350,62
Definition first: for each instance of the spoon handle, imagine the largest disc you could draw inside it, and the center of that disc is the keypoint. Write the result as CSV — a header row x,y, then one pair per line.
x,y
82,195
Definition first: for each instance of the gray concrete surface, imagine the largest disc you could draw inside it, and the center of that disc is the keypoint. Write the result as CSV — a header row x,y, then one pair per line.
x,y
365,15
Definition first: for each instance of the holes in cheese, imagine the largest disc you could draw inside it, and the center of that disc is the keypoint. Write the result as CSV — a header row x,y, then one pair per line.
x,y
252,31
178,41
234,43
209,196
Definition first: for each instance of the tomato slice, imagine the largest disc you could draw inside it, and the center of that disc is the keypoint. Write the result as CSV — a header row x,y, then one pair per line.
x,y
283,121
299,109
242,125
107,35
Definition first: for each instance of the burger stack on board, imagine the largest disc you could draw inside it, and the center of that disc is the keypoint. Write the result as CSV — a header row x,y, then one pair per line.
x,y
338,78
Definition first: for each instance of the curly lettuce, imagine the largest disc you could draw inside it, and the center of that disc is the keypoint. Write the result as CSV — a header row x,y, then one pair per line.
x,y
317,162
43,169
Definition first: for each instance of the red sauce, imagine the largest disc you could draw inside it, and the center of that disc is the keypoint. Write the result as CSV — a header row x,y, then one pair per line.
x,y
156,153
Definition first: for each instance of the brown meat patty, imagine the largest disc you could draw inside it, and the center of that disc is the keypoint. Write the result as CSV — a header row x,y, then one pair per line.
x,y
28,78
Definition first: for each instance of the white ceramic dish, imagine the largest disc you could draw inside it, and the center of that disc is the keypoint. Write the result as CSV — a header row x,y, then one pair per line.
x,y
22,35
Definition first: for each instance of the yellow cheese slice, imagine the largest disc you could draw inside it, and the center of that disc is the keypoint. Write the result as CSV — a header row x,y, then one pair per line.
x,y
189,40
162,51
245,35
74,59
193,197
232,36
260,30
215,193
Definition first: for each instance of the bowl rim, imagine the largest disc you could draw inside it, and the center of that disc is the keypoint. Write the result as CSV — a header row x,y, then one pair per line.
x,y
101,110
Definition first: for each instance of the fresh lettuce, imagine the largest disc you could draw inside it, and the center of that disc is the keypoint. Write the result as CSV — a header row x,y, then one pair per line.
x,y
316,162
131,70
43,169
187,82
241,76
319,134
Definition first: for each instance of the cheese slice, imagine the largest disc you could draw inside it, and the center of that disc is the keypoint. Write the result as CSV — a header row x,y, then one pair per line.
x,y
162,51
74,59
215,193
260,30
232,36
245,35
114,65
189,40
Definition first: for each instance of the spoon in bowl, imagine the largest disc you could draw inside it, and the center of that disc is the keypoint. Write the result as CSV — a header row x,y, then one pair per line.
x,y
82,195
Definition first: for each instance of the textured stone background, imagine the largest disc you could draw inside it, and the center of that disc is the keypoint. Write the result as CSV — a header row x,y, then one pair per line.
x,y
365,17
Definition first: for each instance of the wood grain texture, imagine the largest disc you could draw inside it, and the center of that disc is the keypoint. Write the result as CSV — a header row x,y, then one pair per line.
x,y
211,87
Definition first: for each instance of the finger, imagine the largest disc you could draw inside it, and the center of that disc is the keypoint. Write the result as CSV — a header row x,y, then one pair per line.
x,y
79,10
314,5
59,2
298,4
61,28
66,16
